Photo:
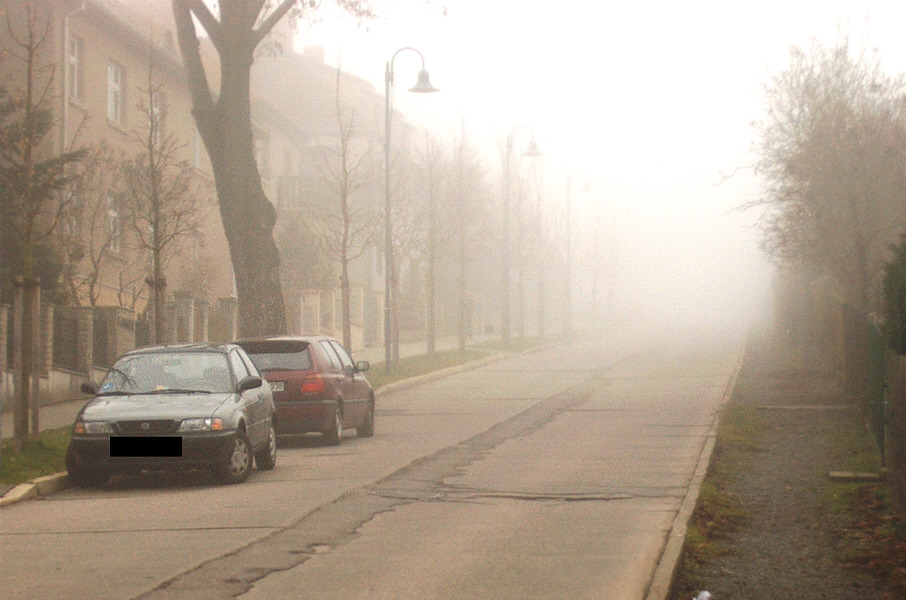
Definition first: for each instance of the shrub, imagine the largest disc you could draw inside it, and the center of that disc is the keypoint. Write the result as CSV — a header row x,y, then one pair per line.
x,y
894,305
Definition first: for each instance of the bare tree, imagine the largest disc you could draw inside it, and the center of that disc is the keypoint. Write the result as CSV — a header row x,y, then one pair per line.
x,y
471,195
32,176
433,167
92,231
406,244
346,225
165,203
832,152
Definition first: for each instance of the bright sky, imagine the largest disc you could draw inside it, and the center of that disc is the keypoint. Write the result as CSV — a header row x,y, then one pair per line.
x,y
653,100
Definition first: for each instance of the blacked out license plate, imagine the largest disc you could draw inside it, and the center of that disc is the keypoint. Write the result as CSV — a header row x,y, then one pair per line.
x,y
146,447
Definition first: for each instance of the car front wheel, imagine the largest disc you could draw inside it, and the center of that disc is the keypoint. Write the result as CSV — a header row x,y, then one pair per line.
x,y
238,464
366,429
266,458
84,475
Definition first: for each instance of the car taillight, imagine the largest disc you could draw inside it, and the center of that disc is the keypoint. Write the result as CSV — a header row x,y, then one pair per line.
x,y
312,384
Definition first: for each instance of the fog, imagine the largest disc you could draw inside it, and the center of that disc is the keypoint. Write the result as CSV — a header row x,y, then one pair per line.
x,y
652,103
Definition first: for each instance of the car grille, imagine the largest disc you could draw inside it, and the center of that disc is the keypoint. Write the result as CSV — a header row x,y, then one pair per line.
x,y
149,426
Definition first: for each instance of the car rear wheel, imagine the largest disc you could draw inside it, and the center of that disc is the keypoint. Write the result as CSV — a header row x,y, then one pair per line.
x,y
84,475
333,435
366,429
238,465
266,458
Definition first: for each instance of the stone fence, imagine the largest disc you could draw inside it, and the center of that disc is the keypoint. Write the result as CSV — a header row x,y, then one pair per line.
x,y
80,343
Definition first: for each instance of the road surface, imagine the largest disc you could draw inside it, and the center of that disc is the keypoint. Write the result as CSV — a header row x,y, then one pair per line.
x,y
550,474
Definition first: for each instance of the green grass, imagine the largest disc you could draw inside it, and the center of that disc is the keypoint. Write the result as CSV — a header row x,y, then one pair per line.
x,y
422,364
871,536
42,456
519,344
414,366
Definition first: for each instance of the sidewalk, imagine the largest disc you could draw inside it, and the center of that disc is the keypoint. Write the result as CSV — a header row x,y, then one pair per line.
x,y
62,414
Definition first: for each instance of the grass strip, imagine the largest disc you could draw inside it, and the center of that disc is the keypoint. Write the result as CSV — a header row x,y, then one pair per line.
x,y
43,455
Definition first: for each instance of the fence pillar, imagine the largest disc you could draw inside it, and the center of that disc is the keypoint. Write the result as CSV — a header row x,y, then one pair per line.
x,y
228,308
357,317
311,311
84,340
185,316
120,331
202,314
172,333
47,314
4,331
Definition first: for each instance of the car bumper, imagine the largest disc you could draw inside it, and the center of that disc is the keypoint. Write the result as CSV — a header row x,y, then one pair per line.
x,y
305,416
154,452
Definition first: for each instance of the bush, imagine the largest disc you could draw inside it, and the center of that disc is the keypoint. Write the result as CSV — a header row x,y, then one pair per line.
x,y
894,305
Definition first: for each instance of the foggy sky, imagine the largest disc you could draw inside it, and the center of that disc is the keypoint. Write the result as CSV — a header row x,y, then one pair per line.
x,y
654,100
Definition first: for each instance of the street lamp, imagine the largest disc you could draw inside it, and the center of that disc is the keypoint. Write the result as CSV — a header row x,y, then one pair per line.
x,y
423,85
569,249
531,151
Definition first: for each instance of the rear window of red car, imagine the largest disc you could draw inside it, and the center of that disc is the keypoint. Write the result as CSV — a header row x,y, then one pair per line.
x,y
279,355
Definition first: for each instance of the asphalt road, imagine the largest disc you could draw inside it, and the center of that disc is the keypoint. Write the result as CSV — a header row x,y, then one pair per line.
x,y
550,474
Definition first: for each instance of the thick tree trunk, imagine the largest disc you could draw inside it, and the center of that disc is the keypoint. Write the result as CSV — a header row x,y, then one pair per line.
x,y
225,126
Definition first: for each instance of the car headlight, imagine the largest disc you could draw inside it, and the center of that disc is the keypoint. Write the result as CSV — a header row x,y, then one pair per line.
x,y
92,427
208,424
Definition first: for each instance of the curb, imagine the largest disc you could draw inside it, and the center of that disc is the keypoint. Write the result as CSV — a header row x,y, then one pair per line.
x,y
668,564
419,379
42,486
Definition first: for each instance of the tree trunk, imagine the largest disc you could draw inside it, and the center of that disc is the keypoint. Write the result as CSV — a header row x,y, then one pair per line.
x,y
226,129
347,310
431,316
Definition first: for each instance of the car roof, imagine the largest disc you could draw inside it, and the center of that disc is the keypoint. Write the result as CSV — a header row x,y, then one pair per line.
x,y
288,337
185,348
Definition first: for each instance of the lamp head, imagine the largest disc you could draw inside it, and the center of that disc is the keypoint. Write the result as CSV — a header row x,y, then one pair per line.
x,y
423,86
532,149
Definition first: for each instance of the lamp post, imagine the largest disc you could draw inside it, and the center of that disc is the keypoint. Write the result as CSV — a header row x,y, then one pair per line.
x,y
532,150
568,326
423,85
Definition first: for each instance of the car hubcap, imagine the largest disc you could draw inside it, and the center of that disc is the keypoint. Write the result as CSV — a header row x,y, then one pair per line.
x,y
272,444
239,461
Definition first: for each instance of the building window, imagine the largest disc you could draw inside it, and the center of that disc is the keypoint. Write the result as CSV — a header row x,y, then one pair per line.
x,y
74,68
112,224
115,86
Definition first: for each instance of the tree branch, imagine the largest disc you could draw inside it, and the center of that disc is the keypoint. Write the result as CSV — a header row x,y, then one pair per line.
x,y
191,56
268,24
207,19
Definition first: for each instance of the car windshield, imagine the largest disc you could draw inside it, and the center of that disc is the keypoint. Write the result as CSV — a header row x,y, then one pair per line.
x,y
168,372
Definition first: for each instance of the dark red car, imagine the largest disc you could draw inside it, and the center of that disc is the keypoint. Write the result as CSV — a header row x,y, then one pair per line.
x,y
316,385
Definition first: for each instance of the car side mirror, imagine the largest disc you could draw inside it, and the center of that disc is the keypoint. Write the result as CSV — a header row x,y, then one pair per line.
x,y
362,366
249,383
89,387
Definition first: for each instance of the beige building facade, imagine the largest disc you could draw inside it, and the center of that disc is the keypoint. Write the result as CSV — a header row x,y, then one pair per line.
x,y
115,63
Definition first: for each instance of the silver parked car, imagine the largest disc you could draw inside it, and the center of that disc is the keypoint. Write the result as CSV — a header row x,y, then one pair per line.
x,y
175,407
